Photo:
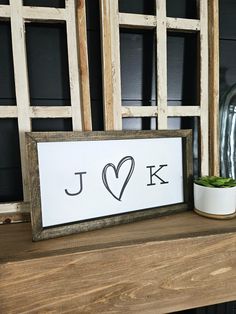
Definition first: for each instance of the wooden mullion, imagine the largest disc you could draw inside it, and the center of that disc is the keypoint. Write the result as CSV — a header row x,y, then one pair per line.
x,y
161,39
213,24
5,12
41,13
139,111
204,125
21,83
50,112
111,64
182,24
73,62
8,111
83,62
130,20
184,111
151,111
14,212
7,208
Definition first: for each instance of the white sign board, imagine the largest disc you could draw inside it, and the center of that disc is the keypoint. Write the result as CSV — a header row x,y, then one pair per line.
x,y
89,179
84,180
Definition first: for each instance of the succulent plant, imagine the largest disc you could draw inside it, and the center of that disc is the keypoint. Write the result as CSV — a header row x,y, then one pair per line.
x,y
215,182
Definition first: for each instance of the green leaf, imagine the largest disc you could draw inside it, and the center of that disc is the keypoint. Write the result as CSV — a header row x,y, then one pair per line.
x,y
214,181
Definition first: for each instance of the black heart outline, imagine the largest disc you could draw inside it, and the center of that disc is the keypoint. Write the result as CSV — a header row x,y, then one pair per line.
x,y
116,170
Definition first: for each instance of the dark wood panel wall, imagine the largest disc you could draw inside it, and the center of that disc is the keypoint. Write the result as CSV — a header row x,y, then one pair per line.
x,y
48,73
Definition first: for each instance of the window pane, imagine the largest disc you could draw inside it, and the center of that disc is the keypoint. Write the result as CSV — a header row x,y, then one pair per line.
x,y
139,123
189,123
137,6
48,64
57,124
182,8
182,68
7,88
45,3
138,75
10,166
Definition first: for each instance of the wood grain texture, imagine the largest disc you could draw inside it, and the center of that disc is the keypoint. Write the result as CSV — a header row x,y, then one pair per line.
x,y
111,64
14,217
182,24
106,65
50,111
137,20
161,64
184,111
213,25
8,111
204,87
73,62
140,21
154,266
151,111
229,216
14,207
43,14
83,64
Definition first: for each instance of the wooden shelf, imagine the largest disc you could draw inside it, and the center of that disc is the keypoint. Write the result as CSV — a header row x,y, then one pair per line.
x,y
154,266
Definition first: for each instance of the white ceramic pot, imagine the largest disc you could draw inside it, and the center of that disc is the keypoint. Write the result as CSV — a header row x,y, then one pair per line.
x,y
214,201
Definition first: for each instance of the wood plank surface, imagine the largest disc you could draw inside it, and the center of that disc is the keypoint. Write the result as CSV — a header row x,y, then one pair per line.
x,y
153,266
50,111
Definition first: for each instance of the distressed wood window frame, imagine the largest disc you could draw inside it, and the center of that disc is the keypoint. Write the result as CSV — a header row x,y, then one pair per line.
x,y
74,16
113,20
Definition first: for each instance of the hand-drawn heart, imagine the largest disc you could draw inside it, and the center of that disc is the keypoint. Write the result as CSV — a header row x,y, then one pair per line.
x,y
116,170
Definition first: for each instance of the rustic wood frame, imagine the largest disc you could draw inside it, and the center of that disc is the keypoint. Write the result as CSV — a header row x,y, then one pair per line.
x,y
40,233
112,20
74,16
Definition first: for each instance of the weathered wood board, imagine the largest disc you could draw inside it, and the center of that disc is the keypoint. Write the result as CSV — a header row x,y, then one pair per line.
x,y
154,266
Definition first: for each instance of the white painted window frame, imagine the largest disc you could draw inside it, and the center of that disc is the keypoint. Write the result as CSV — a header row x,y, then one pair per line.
x,y
74,17
113,20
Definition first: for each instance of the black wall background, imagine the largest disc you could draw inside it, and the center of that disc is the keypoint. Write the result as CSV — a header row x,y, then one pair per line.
x,y
48,78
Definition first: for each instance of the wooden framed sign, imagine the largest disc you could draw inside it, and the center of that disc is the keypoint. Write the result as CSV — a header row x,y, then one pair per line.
x,y
81,181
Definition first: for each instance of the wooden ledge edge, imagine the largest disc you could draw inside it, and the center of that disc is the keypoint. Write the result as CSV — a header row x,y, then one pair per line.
x,y
16,239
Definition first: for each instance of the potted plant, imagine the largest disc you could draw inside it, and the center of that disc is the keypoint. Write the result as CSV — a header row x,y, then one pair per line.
x,y
215,197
